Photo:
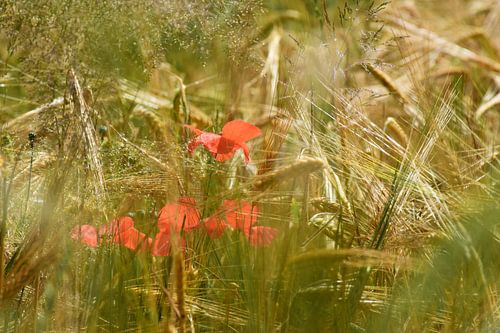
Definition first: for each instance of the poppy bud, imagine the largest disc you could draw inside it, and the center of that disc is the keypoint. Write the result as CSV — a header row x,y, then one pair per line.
x,y
31,138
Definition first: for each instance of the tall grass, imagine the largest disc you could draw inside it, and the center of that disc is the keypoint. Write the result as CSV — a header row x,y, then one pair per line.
x,y
378,164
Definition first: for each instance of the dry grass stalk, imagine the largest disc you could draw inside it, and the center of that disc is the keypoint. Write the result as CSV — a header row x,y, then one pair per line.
x,y
268,117
27,268
324,205
487,105
445,46
352,257
273,140
150,101
83,112
392,125
280,122
299,168
198,117
156,161
387,82
449,71
25,117
132,93
271,66
155,183
154,121
41,164
199,306
180,287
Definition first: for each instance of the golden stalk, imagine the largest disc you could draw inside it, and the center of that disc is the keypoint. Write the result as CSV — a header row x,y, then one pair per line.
x,y
389,84
300,167
445,46
393,125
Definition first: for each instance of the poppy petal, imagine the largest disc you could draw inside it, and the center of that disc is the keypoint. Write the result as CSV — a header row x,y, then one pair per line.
x,y
210,141
241,215
86,234
240,131
226,149
113,230
133,239
161,244
215,226
177,216
261,236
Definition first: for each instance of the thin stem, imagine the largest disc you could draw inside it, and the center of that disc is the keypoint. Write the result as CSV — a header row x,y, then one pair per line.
x,y
28,192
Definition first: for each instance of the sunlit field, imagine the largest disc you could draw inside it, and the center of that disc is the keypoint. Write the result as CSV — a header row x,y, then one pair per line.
x,y
249,166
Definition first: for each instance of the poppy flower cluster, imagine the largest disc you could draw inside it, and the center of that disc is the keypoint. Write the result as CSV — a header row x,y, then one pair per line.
x,y
178,218
119,231
239,216
182,217
222,146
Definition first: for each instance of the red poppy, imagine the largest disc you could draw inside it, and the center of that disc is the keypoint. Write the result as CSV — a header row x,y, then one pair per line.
x,y
172,220
134,239
112,231
161,244
222,146
241,216
179,216
86,234
215,225
120,231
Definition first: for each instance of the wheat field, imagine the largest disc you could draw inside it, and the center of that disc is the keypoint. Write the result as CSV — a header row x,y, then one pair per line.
x,y
249,166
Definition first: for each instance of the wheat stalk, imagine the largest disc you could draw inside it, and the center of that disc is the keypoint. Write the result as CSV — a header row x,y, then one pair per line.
x,y
83,113
298,168
444,46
